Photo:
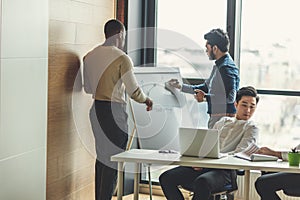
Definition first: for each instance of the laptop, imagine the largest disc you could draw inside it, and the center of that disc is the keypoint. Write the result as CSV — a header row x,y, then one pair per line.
x,y
197,142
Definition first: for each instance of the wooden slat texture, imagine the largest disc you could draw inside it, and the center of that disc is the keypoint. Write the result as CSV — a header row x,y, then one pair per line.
x,y
74,28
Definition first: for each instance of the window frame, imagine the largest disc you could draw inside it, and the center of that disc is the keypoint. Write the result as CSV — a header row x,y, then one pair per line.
x,y
148,56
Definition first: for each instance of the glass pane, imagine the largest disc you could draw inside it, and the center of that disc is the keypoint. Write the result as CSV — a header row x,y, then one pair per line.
x,y
180,31
278,119
270,44
181,27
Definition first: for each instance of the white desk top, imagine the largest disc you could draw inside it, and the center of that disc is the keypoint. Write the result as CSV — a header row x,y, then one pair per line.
x,y
229,162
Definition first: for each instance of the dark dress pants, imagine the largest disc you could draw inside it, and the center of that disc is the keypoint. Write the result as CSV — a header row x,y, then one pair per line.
x,y
267,185
109,124
203,183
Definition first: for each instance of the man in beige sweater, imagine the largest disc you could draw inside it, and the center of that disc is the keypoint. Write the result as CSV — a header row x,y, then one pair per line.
x,y
108,72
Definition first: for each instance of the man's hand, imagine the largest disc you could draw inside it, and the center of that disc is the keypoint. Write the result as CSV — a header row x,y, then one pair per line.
x,y
149,104
268,151
174,83
200,95
197,168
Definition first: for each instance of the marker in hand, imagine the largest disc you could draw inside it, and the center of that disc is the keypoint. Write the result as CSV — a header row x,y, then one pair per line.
x,y
199,95
174,83
149,104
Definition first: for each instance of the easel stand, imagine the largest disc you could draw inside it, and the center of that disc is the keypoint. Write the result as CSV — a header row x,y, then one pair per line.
x,y
133,132
134,129
129,144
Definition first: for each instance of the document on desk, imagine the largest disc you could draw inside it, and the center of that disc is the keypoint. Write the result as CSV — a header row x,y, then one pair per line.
x,y
250,154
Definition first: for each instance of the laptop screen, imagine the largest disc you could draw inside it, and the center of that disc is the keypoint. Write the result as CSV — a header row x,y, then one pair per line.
x,y
199,142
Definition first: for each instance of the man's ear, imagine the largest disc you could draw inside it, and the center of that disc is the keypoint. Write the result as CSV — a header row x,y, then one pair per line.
x,y
235,104
215,48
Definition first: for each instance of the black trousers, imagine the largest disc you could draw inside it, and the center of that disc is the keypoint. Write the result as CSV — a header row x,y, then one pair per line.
x,y
109,124
203,183
267,185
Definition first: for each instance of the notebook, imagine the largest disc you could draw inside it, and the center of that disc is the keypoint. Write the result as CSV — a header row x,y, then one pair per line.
x,y
197,142
250,154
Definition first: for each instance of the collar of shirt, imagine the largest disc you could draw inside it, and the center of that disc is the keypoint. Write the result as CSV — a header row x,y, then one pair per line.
x,y
221,60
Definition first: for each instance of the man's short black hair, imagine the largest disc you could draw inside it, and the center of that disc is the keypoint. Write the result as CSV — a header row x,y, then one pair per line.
x,y
219,38
113,27
247,91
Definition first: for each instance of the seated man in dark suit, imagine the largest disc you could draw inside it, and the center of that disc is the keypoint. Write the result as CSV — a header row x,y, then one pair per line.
x,y
268,184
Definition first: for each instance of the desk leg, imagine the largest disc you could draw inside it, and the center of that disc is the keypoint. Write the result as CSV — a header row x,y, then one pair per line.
x,y
120,180
150,182
137,181
247,185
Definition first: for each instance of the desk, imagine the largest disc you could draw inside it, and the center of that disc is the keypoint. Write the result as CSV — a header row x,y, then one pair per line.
x,y
140,156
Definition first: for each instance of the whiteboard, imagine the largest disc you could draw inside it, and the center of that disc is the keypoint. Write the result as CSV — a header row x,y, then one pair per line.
x,y
158,129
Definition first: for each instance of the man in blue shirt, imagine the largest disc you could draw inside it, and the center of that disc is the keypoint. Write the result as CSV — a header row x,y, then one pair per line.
x,y
219,90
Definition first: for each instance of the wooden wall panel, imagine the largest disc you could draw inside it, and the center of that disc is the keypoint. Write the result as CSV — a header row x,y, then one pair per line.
x,y
74,28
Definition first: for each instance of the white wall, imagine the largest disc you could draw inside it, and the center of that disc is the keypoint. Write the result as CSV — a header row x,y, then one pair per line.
x,y
23,99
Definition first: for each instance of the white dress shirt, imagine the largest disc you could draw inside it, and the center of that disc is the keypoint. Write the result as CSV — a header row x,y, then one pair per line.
x,y
236,135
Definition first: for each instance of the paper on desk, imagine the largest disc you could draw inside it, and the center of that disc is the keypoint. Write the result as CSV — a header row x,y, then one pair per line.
x,y
250,154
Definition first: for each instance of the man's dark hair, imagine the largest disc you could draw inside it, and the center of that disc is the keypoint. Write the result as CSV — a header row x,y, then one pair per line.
x,y
113,27
247,91
219,38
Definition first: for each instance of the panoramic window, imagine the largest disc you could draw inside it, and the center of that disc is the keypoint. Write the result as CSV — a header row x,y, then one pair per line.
x,y
181,27
268,61
180,41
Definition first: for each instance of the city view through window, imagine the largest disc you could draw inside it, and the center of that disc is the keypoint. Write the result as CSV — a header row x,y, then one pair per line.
x,y
269,44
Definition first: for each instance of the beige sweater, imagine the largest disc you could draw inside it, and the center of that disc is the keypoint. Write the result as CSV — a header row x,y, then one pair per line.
x,y
107,72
